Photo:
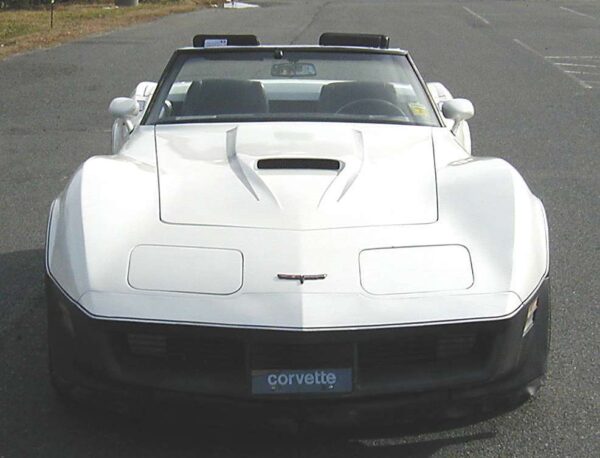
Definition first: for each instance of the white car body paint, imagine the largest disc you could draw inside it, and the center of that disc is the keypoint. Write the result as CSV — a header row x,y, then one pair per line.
x,y
111,207
418,269
186,269
373,169
441,94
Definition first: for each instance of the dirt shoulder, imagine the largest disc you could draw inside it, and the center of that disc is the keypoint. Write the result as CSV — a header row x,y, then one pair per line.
x,y
23,30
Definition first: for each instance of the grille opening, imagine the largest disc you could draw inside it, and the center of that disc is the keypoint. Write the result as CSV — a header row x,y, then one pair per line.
x,y
302,356
205,360
147,344
420,349
201,353
298,163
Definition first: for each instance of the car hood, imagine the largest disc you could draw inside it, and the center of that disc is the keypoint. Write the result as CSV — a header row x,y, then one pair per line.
x,y
221,175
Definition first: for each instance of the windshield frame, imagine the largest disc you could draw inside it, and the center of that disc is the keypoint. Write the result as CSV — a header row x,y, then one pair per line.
x,y
175,60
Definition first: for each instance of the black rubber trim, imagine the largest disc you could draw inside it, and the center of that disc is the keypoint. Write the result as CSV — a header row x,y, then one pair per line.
x,y
355,39
232,40
298,164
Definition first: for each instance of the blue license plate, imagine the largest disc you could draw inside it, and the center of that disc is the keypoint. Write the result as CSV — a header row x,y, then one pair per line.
x,y
281,381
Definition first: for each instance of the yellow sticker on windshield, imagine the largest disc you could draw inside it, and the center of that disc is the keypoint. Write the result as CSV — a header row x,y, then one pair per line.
x,y
417,109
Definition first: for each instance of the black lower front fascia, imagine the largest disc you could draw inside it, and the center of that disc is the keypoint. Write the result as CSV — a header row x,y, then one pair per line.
x,y
391,367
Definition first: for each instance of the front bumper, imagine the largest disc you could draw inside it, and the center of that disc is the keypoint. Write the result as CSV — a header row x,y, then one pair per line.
x,y
391,367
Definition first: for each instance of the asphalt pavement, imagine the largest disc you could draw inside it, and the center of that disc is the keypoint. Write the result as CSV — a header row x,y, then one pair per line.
x,y
532,70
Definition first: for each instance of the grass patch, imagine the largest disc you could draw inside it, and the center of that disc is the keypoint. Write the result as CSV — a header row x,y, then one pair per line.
x,y
21,30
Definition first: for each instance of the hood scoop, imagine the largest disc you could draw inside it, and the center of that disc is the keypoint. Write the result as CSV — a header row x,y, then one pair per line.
x,y
298,164
298,176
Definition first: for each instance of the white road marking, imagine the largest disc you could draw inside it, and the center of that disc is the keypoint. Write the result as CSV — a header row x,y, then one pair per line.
x,y
569,64
473,13
564,8
572,57
528,48
234,4
581,73
582,83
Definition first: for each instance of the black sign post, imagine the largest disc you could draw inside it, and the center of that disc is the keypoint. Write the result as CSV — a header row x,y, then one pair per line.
x,y
51,14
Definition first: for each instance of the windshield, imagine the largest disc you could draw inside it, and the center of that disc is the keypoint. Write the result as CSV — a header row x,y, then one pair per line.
x,y
291,85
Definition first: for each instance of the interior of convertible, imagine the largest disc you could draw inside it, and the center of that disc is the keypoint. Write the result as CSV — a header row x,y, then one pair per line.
x,y
295,85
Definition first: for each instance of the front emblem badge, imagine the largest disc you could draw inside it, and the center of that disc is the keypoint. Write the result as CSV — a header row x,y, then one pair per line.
x,y
301,278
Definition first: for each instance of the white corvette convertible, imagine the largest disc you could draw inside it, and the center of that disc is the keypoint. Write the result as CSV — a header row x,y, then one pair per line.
x,y
298,227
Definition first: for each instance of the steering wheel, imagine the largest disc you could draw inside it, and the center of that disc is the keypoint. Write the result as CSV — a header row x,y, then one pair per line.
x,y
372,107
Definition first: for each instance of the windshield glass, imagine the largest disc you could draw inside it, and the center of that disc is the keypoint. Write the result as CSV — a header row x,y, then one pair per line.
x,y
291,85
